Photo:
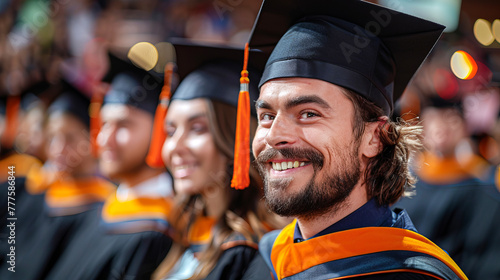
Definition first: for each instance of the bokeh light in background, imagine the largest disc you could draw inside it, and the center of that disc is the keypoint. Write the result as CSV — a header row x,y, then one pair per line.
x,y
495,28
152,57
166,54
482,32
463,65
144,55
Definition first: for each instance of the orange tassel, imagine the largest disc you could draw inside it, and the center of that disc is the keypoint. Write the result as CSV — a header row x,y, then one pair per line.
x,y
241,177
12,118
95,117
159,135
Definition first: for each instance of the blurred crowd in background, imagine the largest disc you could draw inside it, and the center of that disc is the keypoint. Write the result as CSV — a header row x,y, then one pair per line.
x,y
40,40
37,35
44,41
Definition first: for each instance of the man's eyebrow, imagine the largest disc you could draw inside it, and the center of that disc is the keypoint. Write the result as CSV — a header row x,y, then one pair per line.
x,y
305,99
261,104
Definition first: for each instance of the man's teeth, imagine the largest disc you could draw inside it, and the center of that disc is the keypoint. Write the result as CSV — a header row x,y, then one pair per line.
x,y
279,166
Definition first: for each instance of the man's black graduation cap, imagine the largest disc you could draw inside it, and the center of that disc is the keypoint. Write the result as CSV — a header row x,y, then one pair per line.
x,y
131,85
71,101
213,72
364,47
31,95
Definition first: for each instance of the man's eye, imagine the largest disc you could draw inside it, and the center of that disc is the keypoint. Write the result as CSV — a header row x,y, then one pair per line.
x,y
266,117
306,115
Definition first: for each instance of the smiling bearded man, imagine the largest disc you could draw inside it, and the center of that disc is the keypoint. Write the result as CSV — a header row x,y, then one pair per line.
x,y
326,148
320,194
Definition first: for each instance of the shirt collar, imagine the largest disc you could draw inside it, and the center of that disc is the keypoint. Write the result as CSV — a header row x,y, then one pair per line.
x,y
371,214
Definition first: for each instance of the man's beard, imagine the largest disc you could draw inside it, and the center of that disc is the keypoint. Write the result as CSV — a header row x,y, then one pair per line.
x,y
316,198
126,169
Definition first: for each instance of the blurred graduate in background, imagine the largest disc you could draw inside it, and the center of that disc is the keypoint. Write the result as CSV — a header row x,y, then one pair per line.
x,y
128,236
63,193
455,202
218,227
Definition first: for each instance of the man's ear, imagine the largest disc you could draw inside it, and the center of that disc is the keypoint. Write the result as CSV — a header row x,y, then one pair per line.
x,y
371,144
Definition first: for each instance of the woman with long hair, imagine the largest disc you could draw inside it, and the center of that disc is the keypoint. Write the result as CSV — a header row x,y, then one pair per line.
x,y
217,227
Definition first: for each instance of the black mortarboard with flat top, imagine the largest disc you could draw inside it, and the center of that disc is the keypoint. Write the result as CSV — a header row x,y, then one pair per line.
x,y
213,72
71,101
360,46
131,85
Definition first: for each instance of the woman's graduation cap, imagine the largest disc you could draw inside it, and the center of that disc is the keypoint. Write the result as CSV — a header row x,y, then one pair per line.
x,y
216,70
367,48
212,71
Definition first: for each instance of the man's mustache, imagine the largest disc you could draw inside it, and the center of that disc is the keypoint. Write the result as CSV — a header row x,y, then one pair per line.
x,y
313,156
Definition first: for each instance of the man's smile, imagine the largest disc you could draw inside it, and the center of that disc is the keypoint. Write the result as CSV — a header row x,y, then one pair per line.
x,y
284,165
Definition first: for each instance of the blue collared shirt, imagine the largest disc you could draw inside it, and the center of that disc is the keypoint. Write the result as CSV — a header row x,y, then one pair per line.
x,y
371,214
